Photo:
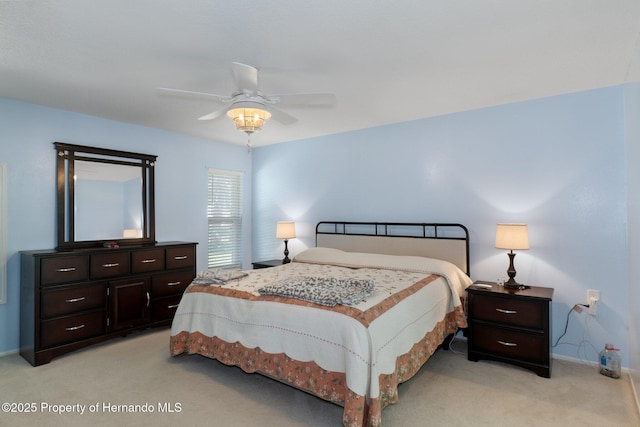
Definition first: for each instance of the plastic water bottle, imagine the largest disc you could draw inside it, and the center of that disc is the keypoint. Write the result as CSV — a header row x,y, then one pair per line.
x,y
610,361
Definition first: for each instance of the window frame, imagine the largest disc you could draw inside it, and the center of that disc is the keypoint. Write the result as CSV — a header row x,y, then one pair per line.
x,y
226,222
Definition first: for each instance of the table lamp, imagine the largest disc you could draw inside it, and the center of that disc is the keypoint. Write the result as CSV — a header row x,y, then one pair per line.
x,y
512,237
286,230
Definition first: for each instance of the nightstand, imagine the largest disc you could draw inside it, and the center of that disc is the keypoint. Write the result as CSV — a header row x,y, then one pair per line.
x,y
510,325
266,264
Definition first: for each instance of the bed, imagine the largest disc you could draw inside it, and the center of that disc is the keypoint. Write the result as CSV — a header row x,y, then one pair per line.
x,y
348,320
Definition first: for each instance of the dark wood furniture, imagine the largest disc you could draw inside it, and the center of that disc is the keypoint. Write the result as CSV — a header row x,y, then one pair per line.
x,y
101,193
267,264
510,325
72,299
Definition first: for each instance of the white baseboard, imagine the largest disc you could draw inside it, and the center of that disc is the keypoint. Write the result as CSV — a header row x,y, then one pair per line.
x,y
635,391
574,360
7,353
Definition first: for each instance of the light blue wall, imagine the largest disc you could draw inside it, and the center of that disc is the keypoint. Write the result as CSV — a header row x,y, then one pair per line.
x,y
26,136
556,164
632,136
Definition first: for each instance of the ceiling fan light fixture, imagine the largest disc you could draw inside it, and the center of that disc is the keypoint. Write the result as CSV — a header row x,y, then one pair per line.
x,y
248,118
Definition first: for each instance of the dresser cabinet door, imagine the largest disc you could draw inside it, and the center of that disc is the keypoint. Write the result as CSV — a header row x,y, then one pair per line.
x,y
130,300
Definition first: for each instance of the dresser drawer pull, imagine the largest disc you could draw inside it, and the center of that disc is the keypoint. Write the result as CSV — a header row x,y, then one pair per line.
x,y
507,344
75,299
180,257
173,283
66,270
114,264
502,310
148,261
173,306
74,328
148,299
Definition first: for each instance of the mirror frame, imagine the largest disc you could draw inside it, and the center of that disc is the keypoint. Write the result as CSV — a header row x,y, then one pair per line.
x,y
66,155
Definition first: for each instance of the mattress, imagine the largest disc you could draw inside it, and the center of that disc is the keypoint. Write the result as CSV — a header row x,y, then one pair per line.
x,y
356,354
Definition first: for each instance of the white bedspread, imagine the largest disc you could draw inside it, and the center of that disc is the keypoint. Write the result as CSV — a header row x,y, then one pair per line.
x,y
334,341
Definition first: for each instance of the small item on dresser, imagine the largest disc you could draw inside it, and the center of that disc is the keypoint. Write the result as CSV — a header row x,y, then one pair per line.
x,y
610,361
111,245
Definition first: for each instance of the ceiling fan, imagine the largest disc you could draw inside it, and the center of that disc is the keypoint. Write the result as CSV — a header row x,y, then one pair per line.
x,y
249,107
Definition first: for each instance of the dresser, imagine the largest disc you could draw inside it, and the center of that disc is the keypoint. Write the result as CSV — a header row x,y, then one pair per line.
x,y
510,325
72,299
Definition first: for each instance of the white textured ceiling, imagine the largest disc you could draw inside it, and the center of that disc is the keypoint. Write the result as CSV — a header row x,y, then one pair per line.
x,y
386,61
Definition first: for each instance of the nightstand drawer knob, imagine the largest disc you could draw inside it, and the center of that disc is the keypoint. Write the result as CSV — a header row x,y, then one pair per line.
x,y
502,310
507,344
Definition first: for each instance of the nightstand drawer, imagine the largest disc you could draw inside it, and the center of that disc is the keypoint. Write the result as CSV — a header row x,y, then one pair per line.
x,y
529,347
521,312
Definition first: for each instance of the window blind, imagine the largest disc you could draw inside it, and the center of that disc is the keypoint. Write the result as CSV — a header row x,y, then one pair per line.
x,y
224,213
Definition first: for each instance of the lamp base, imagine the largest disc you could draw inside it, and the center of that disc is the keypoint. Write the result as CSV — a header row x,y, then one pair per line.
x,y
512,284
511,272
286,259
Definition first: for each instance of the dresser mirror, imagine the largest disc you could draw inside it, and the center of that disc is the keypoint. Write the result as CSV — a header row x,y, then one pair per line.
x,y
104,197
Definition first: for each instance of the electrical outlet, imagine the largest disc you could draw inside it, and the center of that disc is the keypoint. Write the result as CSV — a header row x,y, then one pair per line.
x,y
593,299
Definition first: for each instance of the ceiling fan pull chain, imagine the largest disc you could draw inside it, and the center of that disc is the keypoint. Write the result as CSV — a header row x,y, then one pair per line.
x,y
249,143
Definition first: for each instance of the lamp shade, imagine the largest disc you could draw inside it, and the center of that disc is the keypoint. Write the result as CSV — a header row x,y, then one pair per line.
x,y
286,230
512,236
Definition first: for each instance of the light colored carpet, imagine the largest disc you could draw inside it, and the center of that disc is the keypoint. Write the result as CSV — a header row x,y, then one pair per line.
x,y
448,391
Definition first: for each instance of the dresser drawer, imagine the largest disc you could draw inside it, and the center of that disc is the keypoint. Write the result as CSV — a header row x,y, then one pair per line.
x,y
164,308
181,257
109,265
64,269
528,347
170,283
522,312
72,328
147,260
70,300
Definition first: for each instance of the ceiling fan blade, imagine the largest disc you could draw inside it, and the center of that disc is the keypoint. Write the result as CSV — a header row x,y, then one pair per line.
x,y
304,98
213,115
282,117
246,78
220,98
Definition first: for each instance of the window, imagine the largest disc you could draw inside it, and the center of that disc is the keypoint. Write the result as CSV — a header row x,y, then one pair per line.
x,y
224,213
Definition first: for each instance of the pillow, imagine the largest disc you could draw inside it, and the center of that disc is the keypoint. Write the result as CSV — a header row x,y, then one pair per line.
x,y
320,255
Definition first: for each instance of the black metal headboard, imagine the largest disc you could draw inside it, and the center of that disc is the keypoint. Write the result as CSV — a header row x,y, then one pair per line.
x,y
447,241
